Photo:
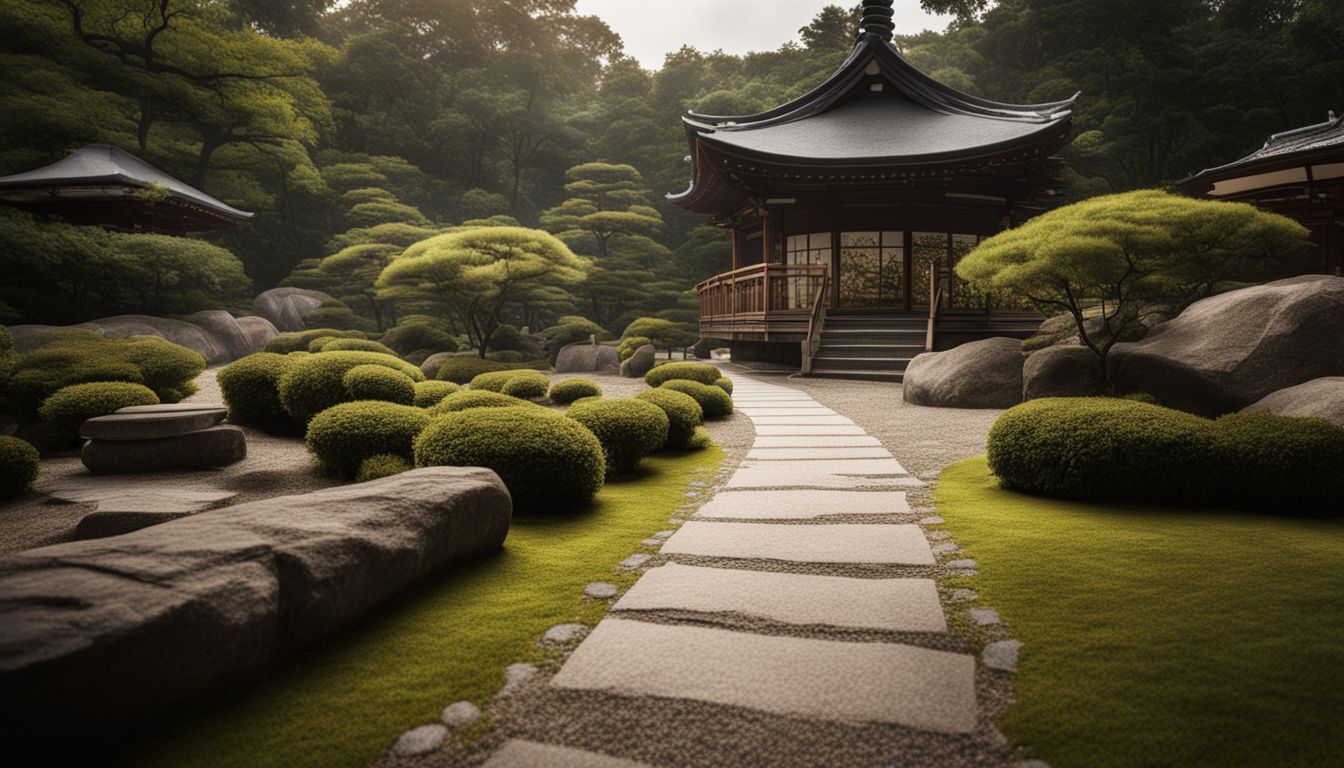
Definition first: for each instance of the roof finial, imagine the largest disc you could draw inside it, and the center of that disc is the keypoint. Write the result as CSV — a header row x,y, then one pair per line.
x,y
877,19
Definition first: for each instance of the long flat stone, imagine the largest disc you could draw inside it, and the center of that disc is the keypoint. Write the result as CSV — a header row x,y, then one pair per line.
x,y
784,405
815,441
808,430
811,421
898,605
518,753
205,449
815,454
846,543
151,425
760,412
854,473
825,679
802,504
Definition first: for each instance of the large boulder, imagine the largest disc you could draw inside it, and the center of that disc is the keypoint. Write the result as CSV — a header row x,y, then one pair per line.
x,y
108,632
1229,351
259,332
640,363
287,307
702,349
214,334
225,330
200,450
981,374
1061,371
1320,398
434,362
587,358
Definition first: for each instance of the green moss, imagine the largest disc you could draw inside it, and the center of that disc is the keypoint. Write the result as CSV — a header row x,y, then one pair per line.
x,y
251,389
1156,636
382,465
19,467
628,429
703,373
569,390
71,406
684,415
342,437
550,464
715,402
378,382
430,393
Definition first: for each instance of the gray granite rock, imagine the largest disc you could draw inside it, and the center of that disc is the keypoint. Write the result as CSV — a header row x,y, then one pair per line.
x,y
1319,398
945,548
932,520
640,363
1002,655
204,449
587,358
460,715
1060,371
961,595
601,590
113,631
563,634
983,617
144,424
981,374
635,561
230,338
966,564
286,308
259,331
420,741
515,675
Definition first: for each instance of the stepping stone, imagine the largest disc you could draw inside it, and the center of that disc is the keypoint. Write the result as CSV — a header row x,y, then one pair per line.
x,y
601,590
966,564
800,677
856,473
758,412
897,605
810,421
1002,655
813,454
515,675
205,449
635,561
562,634
934,520
802,505
984,617
152,424
517,753
961,595
815,441
805,430
887,544
460,715
945,548
420,741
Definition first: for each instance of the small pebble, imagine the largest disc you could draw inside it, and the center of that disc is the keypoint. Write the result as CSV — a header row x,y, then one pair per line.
x,y
516,675
962,595
602,590
651,543
945,548
1002,655
635,561
984,617
937,535
961,564
934,520
460,715
422,740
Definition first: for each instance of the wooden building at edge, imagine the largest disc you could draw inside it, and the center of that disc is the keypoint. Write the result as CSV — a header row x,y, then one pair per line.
x,y
851,205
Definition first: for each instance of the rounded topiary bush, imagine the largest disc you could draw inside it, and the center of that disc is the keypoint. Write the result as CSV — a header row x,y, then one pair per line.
x,y
429,393
382,465
684,415
713,401
461,370
549,463
410,337
495,381
703,373
315,383
628,345
527,387
700,440
285,343
19,466
569,390
1294,465
251,389
71,406
352,345
469,399
724,383
628,429
1104,448
343,436
378,382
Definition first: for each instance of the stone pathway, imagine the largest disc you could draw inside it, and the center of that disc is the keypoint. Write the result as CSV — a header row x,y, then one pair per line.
x,y
804,590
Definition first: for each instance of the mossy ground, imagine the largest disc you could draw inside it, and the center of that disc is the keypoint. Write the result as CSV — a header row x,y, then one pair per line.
x,y
1159,637
450,640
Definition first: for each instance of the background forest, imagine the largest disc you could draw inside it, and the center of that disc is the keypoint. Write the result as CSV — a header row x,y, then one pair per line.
x,y
357,129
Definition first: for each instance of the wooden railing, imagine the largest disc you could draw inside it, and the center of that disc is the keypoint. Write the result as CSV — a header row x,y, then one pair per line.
x,y
815,323
935,298
756,291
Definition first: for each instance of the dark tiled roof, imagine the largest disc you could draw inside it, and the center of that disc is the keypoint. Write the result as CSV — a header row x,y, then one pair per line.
x,y
104,164
1282,146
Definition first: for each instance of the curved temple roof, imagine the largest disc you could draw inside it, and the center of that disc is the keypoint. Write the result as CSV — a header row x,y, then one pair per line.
x,y
877,110
103,165
1282,149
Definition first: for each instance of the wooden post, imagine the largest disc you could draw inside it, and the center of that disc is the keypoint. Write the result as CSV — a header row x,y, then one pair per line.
x,y
737,248
767,239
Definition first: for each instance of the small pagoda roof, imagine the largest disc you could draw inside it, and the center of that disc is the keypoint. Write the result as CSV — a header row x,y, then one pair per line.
x,y
876,114
103,184
1322,143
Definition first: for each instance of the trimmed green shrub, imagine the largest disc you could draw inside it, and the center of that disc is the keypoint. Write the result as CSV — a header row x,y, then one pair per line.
x,y
495,381
700,440
429,393
315,383
20,465
549,463
343,436
351,345
527,387
78,357
1293,465
414,336
713,401
468,399
570,329
378,382
71,406
628,429
627,347
724,383
251,389
382,465
569,390
461,370
684,415
507,356
284,343
703,373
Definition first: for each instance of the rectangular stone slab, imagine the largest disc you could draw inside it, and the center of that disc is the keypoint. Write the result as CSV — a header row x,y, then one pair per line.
x,y
815,441
801,677
150,425
847,543
791,405
812,421
803,505
758,411
896,605
518,753
850,473
808,429
816,454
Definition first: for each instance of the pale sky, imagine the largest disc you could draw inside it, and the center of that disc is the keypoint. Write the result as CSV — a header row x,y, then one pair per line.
x,y
653,28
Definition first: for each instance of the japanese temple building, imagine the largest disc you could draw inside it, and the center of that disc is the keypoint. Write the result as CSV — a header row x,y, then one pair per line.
x,y
103,185
1299,174
850,206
